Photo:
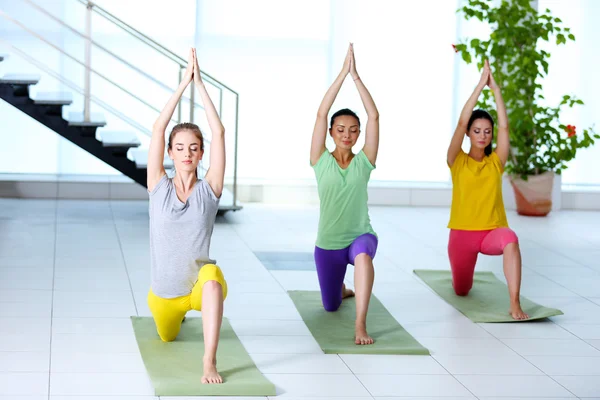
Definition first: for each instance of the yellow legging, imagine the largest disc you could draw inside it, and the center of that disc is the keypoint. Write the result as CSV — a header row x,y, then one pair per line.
x,y
168,313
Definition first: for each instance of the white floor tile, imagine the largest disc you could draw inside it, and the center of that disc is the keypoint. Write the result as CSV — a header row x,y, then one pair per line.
x,y
272,312
24,361
23,383
430,398
594,342
100,384
393,364
25,342
413,385
309,385
481,365
583,331
74,343
300,364
92,326
455,328
258,327
513,386
25,309
581,386
528,330
565,365
280,345
25,296
97,362
466,347
552,347
112,397
64,309
98,267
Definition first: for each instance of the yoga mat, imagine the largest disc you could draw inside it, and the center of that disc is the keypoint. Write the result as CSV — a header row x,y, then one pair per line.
x,y
175,368
334,331
487,301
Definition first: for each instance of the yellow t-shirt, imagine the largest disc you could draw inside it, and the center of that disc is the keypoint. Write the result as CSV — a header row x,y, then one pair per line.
x,y
477,203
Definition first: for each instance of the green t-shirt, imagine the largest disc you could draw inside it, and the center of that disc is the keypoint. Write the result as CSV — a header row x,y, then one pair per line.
x,y
344,214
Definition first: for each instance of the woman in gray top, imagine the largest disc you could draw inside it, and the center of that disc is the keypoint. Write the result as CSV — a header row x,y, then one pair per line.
x,y
182,216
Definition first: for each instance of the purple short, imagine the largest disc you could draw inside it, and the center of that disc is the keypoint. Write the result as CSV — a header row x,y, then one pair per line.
x,y
332,264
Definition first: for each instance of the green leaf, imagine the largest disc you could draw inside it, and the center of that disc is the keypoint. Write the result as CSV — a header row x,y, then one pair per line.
x,y
466,56
571,36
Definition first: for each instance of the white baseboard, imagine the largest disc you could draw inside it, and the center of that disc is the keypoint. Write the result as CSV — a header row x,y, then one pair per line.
x,y
302,192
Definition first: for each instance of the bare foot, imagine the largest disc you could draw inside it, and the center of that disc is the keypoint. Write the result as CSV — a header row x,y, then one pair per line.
x,y
516,312
361,336
210,373
346,292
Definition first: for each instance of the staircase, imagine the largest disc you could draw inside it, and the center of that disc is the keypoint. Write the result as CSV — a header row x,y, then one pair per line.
x,y
119,149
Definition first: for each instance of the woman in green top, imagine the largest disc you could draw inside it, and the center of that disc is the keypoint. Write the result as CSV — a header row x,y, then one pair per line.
x,y
345,234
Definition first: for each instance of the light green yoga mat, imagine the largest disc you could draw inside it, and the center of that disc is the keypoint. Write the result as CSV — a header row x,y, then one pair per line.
x,y
488,299
334,331
175,368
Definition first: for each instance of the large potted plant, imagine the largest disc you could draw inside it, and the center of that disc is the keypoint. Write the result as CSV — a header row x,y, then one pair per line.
x,y
541,143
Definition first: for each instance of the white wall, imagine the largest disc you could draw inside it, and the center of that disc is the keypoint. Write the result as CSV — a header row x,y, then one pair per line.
x,y
281,57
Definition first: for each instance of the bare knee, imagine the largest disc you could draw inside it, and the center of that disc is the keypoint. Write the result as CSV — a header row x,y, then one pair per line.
x,y
363,261
511,247
211,286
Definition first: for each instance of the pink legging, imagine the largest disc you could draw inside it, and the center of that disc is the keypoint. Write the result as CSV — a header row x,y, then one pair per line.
x,y
465,246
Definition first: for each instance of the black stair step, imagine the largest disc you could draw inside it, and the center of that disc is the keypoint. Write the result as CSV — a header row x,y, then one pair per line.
x,y
77,119
20,79
140,156
53,98
119,139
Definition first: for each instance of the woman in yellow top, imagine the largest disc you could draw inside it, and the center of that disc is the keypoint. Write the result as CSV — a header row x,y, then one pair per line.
x,y
477,218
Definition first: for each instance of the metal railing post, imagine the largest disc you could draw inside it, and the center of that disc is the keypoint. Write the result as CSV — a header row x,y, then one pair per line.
x,y
235,151
88,62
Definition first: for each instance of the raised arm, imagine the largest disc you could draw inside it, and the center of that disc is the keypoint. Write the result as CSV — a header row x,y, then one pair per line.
x,y
372,138
503,139
216,171
463,121
156,152
320,131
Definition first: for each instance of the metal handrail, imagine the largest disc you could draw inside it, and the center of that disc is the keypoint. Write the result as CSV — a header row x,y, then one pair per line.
x,y
182,63
119,58
77,88
24,27
40,37
148,41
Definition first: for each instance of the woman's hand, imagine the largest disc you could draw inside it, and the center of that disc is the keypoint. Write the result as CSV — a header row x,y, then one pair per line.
x,y
347,62
491,81
197,76
353,72
485,76
189,71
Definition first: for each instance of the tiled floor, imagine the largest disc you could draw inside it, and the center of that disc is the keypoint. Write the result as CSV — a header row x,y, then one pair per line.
x,y
73,272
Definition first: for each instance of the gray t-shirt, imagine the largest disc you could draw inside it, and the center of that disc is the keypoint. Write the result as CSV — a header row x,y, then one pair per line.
x,y
180,236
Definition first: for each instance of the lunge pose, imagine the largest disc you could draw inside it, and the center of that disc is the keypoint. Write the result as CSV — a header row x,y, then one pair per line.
x,y
182,216
478,221
345,234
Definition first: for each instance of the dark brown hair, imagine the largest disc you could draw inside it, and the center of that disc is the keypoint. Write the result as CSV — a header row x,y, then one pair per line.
x,y
482,114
